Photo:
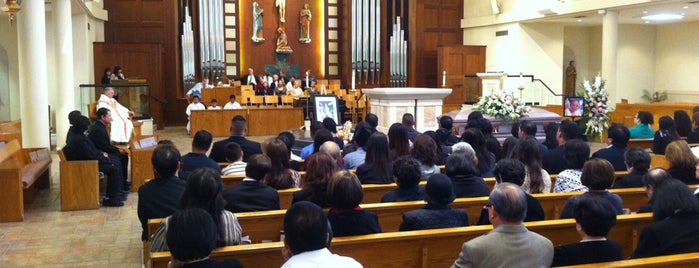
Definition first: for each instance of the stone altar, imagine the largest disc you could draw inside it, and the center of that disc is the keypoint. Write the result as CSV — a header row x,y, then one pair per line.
x,y
389,104
502,128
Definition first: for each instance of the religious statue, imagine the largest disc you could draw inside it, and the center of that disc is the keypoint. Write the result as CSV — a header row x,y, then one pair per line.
x,y
282,43
571,75
281,5
305,23
257,34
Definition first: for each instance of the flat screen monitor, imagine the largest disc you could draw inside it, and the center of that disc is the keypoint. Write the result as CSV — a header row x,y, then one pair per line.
x,y
573,106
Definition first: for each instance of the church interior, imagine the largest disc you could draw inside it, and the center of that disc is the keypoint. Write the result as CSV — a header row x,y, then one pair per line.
x,y
53,55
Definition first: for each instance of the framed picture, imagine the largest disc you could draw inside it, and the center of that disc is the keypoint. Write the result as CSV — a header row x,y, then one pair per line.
x,y
325,106
573,106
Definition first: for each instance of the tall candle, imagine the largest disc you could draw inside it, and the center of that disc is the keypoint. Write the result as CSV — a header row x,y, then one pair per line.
x,y
353,78
444,78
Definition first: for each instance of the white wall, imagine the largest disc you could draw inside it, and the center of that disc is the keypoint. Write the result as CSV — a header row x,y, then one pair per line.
x,y
576,46
83,58
677,65
8,43
636,62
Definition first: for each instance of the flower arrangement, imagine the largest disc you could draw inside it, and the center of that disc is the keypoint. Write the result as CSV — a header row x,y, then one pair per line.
x,y
504,105
345,132
596,110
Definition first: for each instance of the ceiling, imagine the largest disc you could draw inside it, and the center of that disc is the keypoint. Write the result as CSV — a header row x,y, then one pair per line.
x,y
633,14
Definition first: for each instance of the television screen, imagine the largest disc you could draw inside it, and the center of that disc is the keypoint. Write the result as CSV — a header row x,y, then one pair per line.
x,y
573,106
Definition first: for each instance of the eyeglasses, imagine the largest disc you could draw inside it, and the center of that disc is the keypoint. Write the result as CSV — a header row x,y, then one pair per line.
x,y
488,205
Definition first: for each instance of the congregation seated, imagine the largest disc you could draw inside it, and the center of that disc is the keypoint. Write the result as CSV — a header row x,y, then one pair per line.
x,y
234,155
597,175
438,212
251,194
513,171
682,162
528,151
406,172
637,162
665,135
595,216
486,159
425,151
511,141
462,172
617,138
376,168
197,157
551,130
370,122
203,191
281,176
320,168
346,217
238,129
575,154
486,128
643,129
553,160
321,136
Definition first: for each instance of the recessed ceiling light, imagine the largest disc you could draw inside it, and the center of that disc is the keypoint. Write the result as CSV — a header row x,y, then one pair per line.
x,y
685,7
647,22
579,20
663,17
645,12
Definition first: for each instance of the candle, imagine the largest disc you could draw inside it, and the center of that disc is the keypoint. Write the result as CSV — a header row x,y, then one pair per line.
x,y
353,79
308,82
444,78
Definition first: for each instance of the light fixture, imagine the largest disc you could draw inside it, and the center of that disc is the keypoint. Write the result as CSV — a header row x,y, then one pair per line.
x,y
662,17
12,7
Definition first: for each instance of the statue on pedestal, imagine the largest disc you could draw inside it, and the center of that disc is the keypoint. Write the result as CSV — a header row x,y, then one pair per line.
x,y
571,76
257,33
305,24
282,43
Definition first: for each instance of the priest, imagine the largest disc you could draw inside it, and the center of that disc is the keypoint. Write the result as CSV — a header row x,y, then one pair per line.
x,y
121,126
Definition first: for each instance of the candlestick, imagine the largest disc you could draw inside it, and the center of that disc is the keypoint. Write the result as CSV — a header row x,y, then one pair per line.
x,y
353,78
444,78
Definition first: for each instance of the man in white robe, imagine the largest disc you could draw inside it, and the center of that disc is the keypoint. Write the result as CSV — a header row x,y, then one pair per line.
x,y
195,105
121,126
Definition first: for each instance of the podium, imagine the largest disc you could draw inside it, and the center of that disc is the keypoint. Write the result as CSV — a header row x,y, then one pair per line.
x,y
389,104
491,82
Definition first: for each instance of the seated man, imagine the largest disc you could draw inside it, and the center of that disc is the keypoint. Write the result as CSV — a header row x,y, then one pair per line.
x,y
238,128
196,89
232,104
98,135
79,147
308,150
509,244
121,126
160,197
617,138
234,154
251,194
447,123
195,105
406,172
408,122
197,158
307,237
214,105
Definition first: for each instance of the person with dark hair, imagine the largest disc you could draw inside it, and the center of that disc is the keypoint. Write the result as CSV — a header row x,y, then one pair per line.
x,y
251,194
594,218
528,129
486,159
440,137
191,236
693,137
474,115
203,191
376,167
575,153
80,147
238,128
617,138
281,176
408,121
345,193
637,162
321,136
306,239
72,117
683,124
551,130
682,162
194,105
426,152
330,125
509,244
234,155
676,226
553,160
446,122
398,141
510,142
160,197
232,103
288,138
643,129
438,212
98,135
118,73
513,171
665,135
372,120
597,176
321,167
406,172
106,76
651,181
463,174
528,151
362,132
197,158
486,128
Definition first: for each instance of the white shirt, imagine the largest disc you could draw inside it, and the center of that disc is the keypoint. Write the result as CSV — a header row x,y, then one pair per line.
x,y
232,105
194,106
320,258
214,107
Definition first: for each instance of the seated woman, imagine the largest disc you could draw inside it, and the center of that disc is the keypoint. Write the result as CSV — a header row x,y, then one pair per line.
x,y
191,236
406,172
513,171
637,162
425,151
528,151
676,226
203,190
282,176
377,167
597,176
486,159
462,172
437,213
398,142
682,162
643,129
575,153
665,135
683,124
321,168
345,193
594,217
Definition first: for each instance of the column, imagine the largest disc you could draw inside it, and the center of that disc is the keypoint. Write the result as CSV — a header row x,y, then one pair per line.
x,y
610,35
64,63
33,87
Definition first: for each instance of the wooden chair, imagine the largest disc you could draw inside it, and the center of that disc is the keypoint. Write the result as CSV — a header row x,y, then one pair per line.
x,y
270,100
287,100
80,189
257,100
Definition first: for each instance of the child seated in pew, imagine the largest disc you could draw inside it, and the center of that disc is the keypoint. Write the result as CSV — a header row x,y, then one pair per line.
x,y
406,172
594,217
437,213
513,171
345,193
214,105
597,176
234,154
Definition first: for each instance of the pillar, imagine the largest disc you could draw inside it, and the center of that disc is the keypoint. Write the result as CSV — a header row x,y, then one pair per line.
x,y
64,63
610,36
33,84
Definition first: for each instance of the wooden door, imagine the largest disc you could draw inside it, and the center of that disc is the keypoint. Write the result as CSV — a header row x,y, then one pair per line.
x,y
461,64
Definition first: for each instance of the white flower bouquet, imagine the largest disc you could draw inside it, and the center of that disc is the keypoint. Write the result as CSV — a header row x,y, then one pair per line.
x,y
503,105
596,109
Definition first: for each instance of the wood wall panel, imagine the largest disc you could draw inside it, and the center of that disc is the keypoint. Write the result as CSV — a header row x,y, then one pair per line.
x,y
460,61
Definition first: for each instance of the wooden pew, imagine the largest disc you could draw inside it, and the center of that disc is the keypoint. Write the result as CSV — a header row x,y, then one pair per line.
x,y
427,248
643,143
669,261
625,110
141,166
22,172
658,160
11,130
80,184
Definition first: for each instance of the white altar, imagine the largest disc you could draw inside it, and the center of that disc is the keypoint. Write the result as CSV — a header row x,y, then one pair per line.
x,y
389,104
491,82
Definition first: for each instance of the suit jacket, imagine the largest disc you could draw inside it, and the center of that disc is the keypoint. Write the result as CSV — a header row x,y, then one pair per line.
x,y
586,252
244,80
633,179
404,194
673,235
506,246
571,203
353,222
98,135
307,195
251,195
249,148
79,147
534,212
686,175
469,186
614,155
368,173
433,216
552,160
158,198
193,161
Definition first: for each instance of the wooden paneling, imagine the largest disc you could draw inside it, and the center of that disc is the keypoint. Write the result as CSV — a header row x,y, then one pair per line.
x,y
80,187
459,61
261,121
626,111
